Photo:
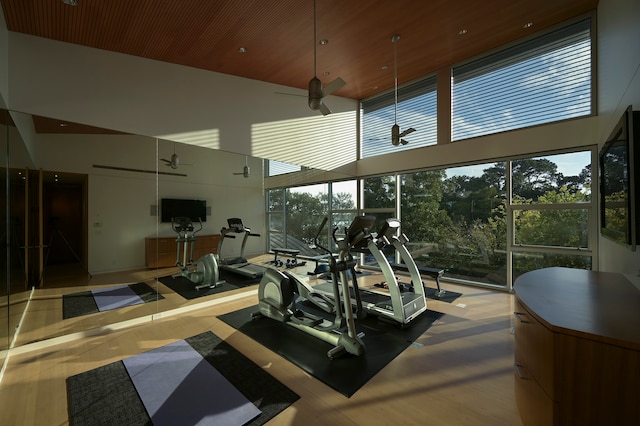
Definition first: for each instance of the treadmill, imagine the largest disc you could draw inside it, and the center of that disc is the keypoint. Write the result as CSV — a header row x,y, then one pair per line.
x,y
398,306
238,265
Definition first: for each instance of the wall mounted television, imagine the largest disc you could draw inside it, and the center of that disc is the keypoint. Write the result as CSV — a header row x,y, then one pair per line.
x,y
173,207
619,181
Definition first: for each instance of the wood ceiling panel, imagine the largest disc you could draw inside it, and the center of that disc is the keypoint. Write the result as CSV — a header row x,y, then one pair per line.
x,y
278,35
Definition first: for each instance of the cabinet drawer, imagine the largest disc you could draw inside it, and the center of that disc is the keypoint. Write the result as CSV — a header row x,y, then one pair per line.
x,y
534,405
534,348
166,246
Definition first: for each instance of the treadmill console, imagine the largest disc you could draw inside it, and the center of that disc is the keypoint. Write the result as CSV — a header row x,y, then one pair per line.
x,y
235,224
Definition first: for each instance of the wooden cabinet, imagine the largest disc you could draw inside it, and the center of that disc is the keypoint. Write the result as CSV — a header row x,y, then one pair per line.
x,y
577,348
161,252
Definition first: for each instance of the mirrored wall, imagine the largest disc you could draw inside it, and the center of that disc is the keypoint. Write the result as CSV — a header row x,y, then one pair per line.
x,y
81,207
16,166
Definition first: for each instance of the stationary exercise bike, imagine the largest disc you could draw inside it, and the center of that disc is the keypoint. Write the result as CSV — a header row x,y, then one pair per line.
x,y
278,292
205,273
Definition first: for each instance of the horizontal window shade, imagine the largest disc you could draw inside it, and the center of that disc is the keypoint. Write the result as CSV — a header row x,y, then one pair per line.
x,y
279,168
416,108
549,82
563,37
406,92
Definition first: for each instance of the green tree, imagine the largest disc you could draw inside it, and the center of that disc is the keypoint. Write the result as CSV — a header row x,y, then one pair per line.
x,y
379,192
304,213
553,227
423,219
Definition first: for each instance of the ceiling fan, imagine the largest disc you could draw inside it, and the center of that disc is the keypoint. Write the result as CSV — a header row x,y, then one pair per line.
x,y
316,91
246,171
174,162
396,134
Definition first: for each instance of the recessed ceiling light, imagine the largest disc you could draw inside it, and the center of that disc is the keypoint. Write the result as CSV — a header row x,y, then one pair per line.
x,y
463,31
242,50
528,25
384,67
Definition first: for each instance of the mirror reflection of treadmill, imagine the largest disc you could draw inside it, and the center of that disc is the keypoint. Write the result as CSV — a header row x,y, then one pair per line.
x,y
238,265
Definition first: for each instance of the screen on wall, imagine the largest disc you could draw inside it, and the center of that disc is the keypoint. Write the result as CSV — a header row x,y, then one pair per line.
x,y
196,210
619,202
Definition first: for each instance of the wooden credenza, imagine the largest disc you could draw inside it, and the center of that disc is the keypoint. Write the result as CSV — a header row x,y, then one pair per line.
x,y
577,348
161,252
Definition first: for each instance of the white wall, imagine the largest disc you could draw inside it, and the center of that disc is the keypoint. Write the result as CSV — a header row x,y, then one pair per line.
x,y
120,202
152,98
618,87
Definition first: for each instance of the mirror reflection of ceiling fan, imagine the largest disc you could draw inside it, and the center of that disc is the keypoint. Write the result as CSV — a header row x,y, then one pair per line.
x,y
246,171
174,162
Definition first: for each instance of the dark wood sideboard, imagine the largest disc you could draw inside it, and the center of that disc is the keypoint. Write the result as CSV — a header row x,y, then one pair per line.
x,y
161,252
577,348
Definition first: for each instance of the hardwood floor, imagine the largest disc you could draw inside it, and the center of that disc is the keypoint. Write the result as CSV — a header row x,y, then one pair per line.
x,y
459,372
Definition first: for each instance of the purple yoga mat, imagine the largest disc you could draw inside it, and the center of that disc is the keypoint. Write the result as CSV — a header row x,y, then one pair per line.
x,y
178,386
115,297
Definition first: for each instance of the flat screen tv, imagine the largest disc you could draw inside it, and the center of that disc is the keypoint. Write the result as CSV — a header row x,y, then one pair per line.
x,y
619,162
196,210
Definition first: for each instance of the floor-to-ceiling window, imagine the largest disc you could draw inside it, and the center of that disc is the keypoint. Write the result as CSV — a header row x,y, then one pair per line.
x,y
294,215
489,222
454,219
552,211
462,219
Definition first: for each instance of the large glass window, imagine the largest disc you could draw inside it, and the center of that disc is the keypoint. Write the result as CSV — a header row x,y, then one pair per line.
x,y
483,224
540,81
275,218
416,108
295,214
552,212
454,219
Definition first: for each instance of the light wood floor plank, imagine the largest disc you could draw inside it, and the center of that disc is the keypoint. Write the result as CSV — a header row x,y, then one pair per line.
x,y
459,372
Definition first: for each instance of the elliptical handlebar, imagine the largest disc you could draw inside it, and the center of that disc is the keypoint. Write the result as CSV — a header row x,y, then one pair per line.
x,y
316,239
185,225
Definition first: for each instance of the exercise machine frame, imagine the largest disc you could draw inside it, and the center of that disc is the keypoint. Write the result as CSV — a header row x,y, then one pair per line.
x,y
205,273
239,265
278,291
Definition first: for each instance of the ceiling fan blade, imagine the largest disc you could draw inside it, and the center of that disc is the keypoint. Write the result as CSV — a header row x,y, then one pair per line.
x,y
406,132
336,84
324,109
290,94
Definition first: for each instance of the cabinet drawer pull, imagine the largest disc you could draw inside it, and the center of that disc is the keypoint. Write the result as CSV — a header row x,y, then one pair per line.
x,y
519,316
519,369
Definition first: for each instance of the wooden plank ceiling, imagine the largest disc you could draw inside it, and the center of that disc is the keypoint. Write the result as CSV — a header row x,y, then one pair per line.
x,y
278,35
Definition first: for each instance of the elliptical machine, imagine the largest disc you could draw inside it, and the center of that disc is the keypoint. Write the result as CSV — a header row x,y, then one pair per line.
x,y
205,274
278,291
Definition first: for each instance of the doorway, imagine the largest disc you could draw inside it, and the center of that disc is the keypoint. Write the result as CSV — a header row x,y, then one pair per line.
x,y
64,225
